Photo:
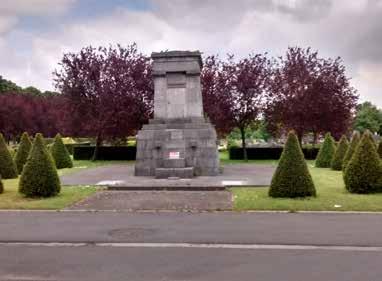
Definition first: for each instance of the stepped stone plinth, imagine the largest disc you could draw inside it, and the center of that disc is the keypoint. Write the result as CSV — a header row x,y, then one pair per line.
x,y
179,141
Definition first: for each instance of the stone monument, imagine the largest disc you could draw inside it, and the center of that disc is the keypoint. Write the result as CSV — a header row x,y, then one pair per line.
x,y
178,141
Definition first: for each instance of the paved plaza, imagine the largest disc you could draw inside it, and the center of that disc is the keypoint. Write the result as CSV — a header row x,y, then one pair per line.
x,y
122,175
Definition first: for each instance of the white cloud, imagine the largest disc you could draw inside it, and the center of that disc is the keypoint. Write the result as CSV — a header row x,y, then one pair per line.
x,y
34,7
335,28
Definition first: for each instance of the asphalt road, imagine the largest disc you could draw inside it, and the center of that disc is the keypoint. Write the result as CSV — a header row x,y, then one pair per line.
x,y
223,246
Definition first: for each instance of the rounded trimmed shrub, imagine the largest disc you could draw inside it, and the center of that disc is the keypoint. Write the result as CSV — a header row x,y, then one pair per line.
x,y
380,149
363,171
39,177
340,154
60,154
8,168
352,147
292,178
326,153
23,152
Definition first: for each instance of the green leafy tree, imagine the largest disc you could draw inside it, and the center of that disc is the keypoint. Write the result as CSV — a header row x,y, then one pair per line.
x,y
8,168
326,153
60,154
292,178
353,145
364,169
8,86
368,117
340,154
39,177
23,152
32,91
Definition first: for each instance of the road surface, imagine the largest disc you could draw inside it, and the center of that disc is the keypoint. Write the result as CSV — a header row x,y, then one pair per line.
x,y
172,246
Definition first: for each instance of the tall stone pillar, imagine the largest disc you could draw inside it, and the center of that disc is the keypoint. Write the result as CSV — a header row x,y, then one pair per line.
x,y
179,141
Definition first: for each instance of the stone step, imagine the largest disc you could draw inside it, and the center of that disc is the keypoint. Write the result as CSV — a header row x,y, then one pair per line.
x,y
177,187
183,173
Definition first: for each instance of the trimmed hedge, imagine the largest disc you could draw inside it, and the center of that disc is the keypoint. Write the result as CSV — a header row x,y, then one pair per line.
x,y
22,152
60,154
264,153
292,178
340,154
352,147
39,177
1,186
105,152
326,153
8,169
380,149
363,172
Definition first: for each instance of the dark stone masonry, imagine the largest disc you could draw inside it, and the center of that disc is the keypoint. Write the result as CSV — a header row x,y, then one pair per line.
x,y
179,142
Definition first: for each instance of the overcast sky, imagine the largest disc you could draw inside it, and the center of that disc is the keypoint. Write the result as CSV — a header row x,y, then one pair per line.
x,y
35,33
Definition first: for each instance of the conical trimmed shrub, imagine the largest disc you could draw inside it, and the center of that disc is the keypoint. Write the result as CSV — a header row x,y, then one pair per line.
x,y
23,152
8,168
352,147
363,171
60,154
340,154
1,186
380,149
39,177
326,153
292,178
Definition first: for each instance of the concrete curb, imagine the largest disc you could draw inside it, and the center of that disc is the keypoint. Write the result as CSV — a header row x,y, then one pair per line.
x,y
192,211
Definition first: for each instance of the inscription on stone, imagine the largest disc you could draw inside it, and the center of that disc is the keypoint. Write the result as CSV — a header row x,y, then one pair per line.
x,y
176,80
174,155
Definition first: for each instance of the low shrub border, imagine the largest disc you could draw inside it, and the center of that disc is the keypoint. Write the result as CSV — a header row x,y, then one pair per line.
x,y
105,152
267,153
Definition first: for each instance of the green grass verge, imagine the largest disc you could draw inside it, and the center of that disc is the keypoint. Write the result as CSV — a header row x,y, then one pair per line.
x,y
12,199
331,196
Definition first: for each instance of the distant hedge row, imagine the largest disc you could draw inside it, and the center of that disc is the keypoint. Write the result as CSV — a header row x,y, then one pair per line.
x,y
264,153
105,152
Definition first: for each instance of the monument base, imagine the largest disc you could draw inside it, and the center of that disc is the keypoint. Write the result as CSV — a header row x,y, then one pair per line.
x,y
177,148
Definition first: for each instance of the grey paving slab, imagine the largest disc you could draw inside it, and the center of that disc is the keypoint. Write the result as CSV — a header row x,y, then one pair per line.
x,y
123,174
157,200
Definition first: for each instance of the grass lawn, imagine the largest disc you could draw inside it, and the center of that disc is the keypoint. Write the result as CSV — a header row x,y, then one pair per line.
x,y
331,196
11,199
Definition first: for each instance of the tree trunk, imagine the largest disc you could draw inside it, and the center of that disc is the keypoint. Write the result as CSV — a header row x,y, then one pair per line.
x,y
243,144
300,136
98,144
315,137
